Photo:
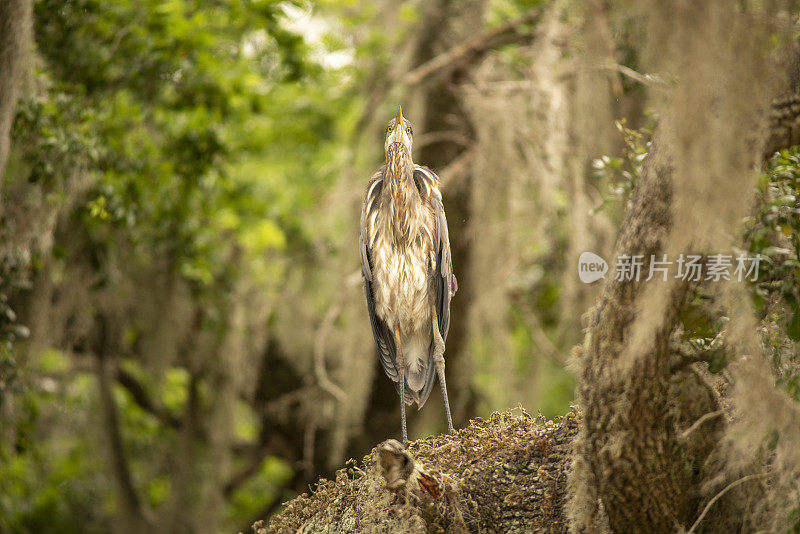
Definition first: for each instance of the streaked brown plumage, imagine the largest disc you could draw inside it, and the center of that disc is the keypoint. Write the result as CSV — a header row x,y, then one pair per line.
x,y
407,270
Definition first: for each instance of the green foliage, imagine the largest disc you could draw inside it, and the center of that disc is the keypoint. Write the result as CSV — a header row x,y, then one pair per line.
x,y
260,491
775,230
616,176
163,91
52,486
717,360
774,233
178,137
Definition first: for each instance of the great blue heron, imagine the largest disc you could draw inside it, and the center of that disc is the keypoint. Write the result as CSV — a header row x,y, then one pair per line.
x,y
407,271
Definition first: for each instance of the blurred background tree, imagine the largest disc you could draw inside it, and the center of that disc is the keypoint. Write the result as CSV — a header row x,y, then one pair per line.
x,y
184,340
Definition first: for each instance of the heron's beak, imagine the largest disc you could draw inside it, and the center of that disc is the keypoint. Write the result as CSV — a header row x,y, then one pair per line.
x,y
397,135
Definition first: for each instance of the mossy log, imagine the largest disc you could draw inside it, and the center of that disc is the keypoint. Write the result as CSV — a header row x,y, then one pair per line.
x,y
504,474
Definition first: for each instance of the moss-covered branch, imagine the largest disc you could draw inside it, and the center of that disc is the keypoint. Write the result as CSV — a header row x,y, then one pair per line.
x,y
504,474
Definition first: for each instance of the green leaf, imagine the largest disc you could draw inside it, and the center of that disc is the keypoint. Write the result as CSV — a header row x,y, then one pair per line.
x,y
717,361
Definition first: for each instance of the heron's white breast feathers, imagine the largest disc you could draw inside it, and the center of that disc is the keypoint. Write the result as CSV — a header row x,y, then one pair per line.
x,y
400,246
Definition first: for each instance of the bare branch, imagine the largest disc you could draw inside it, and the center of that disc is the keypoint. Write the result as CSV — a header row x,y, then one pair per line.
x,y
475,46
601,9
456,168
141,397
537,332
241,476
129,499
723,492
319,352
430,138
706,417
644,79
309,436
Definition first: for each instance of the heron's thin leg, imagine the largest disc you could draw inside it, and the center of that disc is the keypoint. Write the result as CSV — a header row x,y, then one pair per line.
x,y
438,360
401,367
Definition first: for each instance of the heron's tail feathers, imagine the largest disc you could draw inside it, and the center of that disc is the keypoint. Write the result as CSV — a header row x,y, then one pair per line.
x,y
419,368
420,397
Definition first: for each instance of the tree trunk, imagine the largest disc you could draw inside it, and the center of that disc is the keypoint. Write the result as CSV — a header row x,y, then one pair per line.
x,y
628,440
15,44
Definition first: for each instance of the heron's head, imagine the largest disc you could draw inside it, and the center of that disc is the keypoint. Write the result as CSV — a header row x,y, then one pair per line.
x,y
399,131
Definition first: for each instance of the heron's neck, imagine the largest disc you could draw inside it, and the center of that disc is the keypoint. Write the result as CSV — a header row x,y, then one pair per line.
x,y
403,197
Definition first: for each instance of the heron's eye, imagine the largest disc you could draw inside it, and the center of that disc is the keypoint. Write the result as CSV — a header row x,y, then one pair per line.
x,y
408,130
389,129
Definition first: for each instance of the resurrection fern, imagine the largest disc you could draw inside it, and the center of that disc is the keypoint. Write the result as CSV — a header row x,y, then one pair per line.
x,y
774,233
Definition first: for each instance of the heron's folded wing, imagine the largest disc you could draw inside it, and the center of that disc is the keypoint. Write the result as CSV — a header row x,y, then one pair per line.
x,y
384,341
443,279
